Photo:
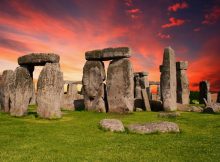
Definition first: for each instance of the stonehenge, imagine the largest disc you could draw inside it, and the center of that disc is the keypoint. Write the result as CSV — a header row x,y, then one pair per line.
x,y
117,90
168,80
118,93
182,82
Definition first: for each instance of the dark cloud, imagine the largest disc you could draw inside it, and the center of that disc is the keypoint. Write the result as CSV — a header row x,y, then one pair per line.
x,y
13,45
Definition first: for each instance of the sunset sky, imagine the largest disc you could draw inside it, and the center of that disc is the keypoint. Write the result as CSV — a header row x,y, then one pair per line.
x,y
71,27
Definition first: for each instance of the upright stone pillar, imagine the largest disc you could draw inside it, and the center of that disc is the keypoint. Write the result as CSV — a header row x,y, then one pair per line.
x,y
182,82
120,86
137,89
50,91
7,90
93,86
168,80
23,91
204,93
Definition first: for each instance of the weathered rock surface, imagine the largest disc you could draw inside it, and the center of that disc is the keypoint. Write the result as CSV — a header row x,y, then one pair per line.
x,y
68,98
211,107
108,54
50,91
137,86
147,128
168,114
38,59
120,86
7,90
168,80
189,108
204,87
23,91
112,125
146,100
93,86
182,82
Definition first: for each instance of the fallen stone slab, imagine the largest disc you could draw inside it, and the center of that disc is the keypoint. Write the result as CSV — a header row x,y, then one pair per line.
x,y
189,108
38,59
148,128
108,54
168,114
212,108
112,125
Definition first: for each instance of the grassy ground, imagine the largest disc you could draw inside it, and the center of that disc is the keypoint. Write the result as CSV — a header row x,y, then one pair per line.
x,y
76,137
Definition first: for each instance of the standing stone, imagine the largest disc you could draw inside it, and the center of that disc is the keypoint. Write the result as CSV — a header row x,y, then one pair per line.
x,y
137,92
69,97
50,91
93,86
120,86
23,90
168,80
7,89
204,93
182,82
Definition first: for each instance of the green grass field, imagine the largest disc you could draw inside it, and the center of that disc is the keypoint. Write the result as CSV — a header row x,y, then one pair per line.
x,y
77,137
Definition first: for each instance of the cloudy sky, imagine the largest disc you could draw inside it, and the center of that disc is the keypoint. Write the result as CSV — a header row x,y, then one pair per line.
x,y
71,27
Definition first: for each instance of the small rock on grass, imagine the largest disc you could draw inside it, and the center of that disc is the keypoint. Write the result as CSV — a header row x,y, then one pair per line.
x,y
112,125
148,128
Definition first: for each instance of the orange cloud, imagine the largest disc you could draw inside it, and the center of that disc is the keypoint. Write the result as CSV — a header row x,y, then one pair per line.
x,y
173,22
213,16
177,6
206,67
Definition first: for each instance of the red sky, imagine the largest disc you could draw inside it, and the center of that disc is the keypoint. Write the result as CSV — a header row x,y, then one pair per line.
x,y
71,27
